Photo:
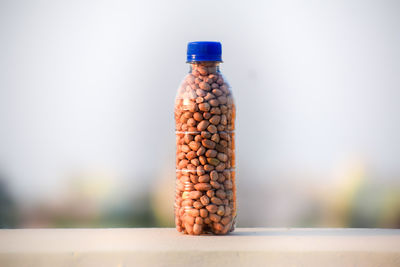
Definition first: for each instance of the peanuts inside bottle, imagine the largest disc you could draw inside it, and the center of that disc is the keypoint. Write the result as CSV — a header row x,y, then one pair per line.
x,y
205,199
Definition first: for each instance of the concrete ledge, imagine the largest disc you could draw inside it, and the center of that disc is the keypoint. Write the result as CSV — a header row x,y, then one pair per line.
x,y
166,247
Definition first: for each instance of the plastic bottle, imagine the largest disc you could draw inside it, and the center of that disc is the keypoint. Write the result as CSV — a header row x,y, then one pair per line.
x,y
205,199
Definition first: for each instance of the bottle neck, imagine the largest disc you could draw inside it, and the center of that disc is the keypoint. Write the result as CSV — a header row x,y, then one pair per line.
x,y
211,66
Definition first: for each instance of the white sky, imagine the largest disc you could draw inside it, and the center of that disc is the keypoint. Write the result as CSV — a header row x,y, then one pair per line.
x,y
89,85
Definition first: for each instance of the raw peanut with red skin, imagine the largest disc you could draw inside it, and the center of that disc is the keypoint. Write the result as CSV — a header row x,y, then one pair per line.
x,y
202,186
201,93
215,138
223,119
227,174
229,195
208,167
185,178
191,155
214,120
212,208
201,151
198,117
227,210
228,184
198,138
219,227
187,202
204,107
193,212
212,129
200,170
224,136
213,102
217,92
221,179
204,178
185,148
213,161
191,122
211,153
206,115
223,144
216,201
215,184
222,99
203,161
214,175
209,96
183,163
210,193
187,115
214,217
204,86
208,144
199,220
224,109
203,213
194,179
205,134
188,219
188,228
222,157
194,145
194,194
188,138
221,194
204,200
195,162
203,125
215,111
225,220
197,205
221,211
197,229
220,166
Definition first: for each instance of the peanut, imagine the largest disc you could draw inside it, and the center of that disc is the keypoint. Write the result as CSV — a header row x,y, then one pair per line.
x,y
202,186
203,125
212,208
197,229
204,178
211,153
208,144
214,175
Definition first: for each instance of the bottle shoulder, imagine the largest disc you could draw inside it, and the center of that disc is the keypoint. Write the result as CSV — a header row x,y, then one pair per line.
x,y
204,87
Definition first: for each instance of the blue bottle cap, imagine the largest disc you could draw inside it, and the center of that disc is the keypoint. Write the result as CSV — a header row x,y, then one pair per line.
x,y
204,51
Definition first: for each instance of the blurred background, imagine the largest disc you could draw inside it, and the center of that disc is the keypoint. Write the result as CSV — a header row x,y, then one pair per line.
x,y
86,110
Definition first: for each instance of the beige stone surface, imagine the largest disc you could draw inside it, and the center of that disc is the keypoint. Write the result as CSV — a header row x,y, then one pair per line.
x,y
166,247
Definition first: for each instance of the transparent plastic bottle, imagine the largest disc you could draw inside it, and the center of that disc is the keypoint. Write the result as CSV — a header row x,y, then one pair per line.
x,y
205,199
